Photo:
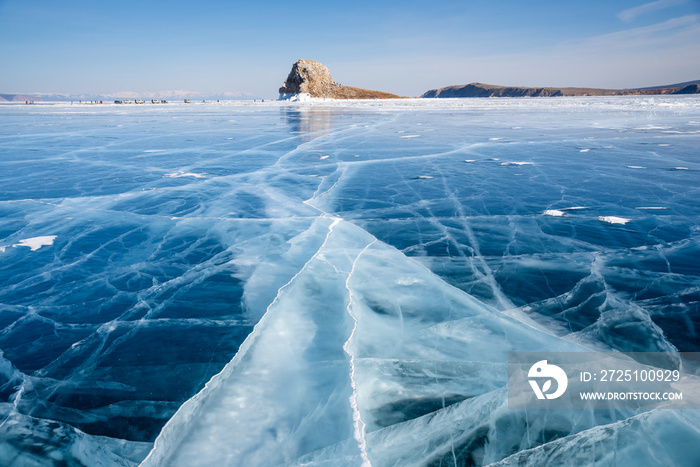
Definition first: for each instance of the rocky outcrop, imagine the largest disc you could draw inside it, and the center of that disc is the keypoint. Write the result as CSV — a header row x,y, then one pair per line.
x,y
313,78
490,90
308,76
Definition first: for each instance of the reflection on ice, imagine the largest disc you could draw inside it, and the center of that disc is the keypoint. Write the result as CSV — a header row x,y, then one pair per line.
x,y
310,123
314,284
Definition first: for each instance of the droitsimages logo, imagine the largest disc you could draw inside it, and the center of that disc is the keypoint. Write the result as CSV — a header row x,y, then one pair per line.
x,y
547,372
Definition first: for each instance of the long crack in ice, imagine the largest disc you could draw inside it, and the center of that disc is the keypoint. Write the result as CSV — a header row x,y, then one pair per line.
x,y
358,423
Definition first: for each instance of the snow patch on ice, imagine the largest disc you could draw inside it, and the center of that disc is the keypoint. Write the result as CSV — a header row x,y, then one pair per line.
x,y
614,219
301,97
35,243
561,211
653,127
407,280
553,212
180,174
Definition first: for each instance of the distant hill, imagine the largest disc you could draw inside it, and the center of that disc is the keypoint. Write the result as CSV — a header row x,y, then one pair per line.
x,y
490,90
677,85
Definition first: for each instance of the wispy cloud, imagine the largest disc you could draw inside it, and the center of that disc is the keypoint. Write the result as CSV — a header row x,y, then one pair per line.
x,y
670,32
632,13
656,54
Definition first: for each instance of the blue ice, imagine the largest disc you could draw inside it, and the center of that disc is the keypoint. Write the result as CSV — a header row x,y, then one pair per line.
x,y
332,283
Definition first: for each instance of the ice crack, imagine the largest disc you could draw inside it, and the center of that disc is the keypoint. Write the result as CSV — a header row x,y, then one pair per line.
x,y
358,423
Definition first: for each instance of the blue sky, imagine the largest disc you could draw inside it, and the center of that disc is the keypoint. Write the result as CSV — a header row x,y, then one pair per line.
x,y
406,47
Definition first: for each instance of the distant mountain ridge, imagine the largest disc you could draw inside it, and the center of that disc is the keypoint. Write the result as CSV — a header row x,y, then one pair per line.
x,y
491,90
174,94
677,85
15,97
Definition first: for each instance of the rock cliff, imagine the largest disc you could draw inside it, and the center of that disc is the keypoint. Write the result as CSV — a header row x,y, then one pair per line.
x,y
313,78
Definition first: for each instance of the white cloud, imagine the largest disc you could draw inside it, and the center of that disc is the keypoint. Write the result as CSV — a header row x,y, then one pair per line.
x,y
632,13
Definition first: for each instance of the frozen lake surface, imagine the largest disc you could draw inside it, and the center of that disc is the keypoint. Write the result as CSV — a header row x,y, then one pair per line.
x,y
335,283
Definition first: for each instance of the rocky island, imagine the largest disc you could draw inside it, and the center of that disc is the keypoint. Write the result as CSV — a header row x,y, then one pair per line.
x,y
309,77
490,90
